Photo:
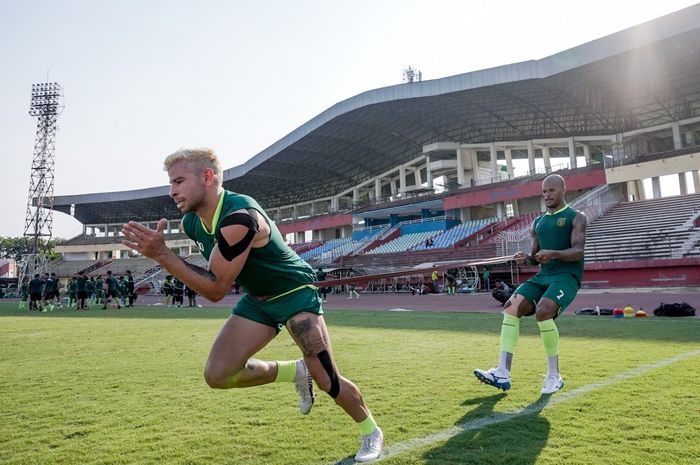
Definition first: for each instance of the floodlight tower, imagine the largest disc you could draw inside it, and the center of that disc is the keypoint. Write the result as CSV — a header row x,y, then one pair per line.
x,y
46,105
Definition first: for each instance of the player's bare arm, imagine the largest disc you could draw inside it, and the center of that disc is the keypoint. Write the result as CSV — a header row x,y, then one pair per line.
x,y
578,243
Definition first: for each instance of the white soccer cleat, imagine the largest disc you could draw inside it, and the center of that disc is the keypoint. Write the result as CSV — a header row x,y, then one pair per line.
x,y
304,385
552,384
370,446
493,378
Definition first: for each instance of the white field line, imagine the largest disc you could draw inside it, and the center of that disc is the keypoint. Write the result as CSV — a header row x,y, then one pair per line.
x,y
416,443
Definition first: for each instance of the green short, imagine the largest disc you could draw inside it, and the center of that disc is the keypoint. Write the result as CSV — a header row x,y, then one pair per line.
x,y
561,288
275,312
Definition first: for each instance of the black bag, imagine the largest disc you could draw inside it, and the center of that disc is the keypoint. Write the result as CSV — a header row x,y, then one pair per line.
x,y
591,311
682,309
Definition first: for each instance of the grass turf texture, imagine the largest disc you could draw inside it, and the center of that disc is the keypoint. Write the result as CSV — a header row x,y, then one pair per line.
x,y
125,386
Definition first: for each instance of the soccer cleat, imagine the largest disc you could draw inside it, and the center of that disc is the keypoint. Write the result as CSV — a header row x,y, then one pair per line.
x,y
492,379
552,384
370,446
304,385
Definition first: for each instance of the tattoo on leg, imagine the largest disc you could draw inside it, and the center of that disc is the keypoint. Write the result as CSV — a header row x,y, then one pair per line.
x,y
301,327
309,340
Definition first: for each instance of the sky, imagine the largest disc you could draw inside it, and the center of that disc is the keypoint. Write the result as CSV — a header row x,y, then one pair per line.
x,y
142,79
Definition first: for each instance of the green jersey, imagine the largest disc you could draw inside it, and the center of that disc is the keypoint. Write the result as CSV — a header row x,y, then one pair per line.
x,y
270,270
553,231
99,286
25,289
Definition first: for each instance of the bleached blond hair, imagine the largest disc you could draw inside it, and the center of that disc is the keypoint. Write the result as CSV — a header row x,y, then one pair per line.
x,y
201,158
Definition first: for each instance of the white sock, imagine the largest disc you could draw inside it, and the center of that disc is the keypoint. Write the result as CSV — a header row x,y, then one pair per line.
x,y
504,363
300,373
553,366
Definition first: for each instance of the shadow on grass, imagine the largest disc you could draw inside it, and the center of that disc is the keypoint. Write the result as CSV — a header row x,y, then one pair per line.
x,y
663,329
486,437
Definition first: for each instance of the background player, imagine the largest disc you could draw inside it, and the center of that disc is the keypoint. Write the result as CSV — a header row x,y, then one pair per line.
x,y
558,240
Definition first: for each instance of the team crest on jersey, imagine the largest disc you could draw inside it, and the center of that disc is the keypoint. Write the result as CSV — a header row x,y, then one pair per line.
x,y
561,222
200,245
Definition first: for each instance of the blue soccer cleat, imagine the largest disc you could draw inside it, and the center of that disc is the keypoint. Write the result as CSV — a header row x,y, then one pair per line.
x,y
492,379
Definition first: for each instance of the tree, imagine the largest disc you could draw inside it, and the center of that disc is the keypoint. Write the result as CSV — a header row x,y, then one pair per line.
x,y
15,247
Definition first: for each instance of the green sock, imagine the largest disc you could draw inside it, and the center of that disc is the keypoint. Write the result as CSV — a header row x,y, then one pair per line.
x,y
367,425
510,329
286,371
550,337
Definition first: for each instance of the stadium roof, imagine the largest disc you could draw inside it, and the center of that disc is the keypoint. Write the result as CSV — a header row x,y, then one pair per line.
x,y
636,78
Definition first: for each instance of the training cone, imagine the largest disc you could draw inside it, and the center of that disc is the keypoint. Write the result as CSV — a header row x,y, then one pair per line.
x,y
618,313
640,314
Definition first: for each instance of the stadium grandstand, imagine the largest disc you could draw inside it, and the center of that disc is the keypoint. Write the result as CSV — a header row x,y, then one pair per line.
x,y
451,168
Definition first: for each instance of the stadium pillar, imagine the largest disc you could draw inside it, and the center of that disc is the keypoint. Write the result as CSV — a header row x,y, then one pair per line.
x,y
696,181
460,166
572,153
587,154
419,178
494,162
656,187
677,141
640,189
509,163
475,166
428,172
682,184
632,191
616,148
334,203
545,157
402,180
531,157
392,185
378,189
355,197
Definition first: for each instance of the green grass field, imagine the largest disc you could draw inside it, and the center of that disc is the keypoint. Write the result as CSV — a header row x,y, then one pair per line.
x,y
126,387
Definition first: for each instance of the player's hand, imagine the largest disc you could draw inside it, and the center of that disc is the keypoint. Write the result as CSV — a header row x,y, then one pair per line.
x,y
543,256
520,258
146,241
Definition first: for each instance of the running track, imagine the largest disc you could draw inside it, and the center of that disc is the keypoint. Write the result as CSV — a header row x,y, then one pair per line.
x,y
646,298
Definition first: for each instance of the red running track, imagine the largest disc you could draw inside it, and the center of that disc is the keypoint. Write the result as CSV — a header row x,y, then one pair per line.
x,y
648,299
